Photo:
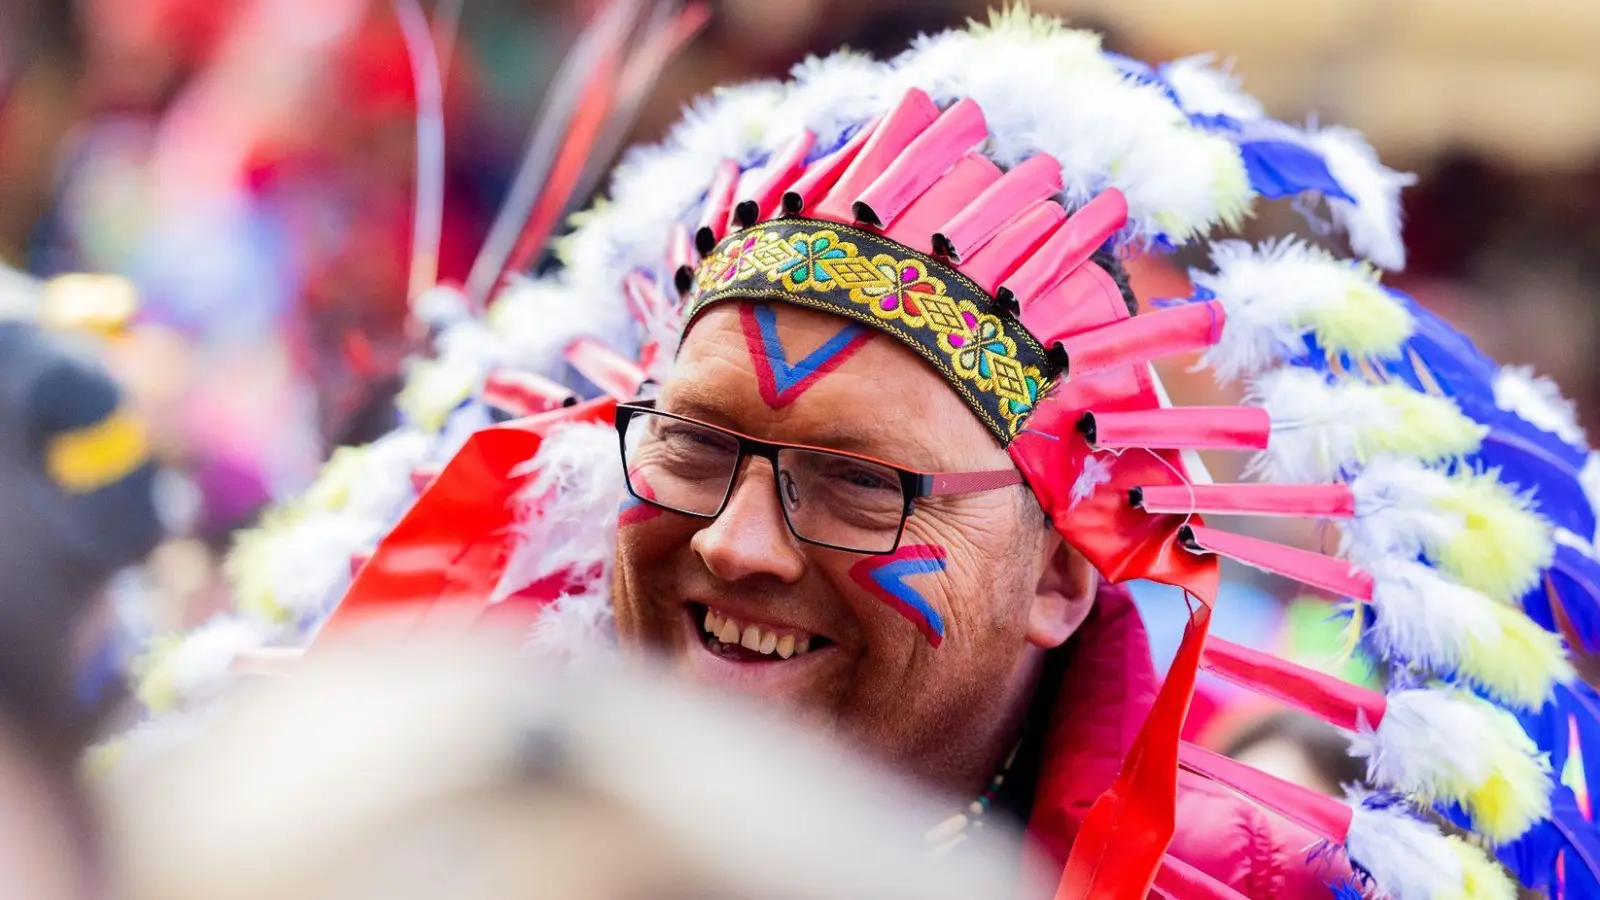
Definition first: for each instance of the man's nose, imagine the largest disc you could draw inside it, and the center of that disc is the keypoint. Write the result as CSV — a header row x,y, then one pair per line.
x,y
750,537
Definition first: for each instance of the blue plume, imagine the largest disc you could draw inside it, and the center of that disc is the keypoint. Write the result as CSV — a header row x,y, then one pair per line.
x,y
1280,168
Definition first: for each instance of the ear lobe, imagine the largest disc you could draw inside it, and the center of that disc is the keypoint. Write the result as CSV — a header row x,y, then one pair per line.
x,y
1066,591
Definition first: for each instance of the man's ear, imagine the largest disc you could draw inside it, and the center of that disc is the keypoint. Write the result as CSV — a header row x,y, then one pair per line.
x,y
1066,591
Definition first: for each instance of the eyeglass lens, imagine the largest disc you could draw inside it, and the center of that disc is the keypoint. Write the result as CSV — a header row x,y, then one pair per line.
x,y
827,498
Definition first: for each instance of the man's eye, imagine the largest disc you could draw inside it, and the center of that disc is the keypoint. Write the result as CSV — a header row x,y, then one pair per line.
x,y
867,479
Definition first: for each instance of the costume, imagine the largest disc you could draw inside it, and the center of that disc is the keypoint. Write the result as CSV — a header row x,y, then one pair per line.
x,y
956,199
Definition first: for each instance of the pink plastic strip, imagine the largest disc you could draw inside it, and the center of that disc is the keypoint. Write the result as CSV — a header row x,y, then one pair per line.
x,y
1036,178
820,177
1085,300
959,129
1322,815
764,198
1135,341
1333,700
1336,576
681,257
1012,246
914,113
1182,428
719,207
1307,501
525,393
954,191
645,302
619,377
1084,232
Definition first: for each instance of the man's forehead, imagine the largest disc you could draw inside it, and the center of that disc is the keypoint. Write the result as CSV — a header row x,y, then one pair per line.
x,y
811,377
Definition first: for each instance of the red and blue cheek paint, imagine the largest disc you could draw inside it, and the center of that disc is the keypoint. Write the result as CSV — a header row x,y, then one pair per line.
x,y
885,578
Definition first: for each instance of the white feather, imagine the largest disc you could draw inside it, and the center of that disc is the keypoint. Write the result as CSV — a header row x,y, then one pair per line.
x,y
580,627
535,321
1268,293
1373,220
832,95
1538,401
1429,740
1316,426
1589,478
309,561
1425,619
1096,471
1396,515
1410,859
381,490
199,664
566,518
1203,88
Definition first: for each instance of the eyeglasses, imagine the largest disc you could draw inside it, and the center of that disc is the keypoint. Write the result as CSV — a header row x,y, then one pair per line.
x,y
831,499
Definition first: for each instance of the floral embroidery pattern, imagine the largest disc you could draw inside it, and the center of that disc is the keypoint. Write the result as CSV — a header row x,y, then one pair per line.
x,y
996,365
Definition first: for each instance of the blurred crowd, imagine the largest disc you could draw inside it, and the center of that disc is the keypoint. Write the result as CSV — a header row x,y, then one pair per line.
x,y
246,168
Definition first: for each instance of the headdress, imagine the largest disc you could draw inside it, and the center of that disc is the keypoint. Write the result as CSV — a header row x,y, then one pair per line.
x,y
956,198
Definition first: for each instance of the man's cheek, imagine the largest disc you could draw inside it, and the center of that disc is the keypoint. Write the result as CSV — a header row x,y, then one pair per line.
x,y
902,580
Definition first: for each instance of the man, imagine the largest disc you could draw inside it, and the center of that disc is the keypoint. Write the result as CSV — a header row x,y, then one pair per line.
x,y
910,442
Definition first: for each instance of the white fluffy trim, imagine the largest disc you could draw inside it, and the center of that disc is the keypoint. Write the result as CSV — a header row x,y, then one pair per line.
x,y
1410,859
1276,294
566,518
197,668
1373,221
1207,89
1538,401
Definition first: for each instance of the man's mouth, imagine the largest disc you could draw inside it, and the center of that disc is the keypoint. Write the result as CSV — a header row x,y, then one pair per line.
x,y
729,637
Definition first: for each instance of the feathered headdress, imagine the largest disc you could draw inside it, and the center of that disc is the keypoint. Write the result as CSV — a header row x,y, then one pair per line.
x,y
1459,488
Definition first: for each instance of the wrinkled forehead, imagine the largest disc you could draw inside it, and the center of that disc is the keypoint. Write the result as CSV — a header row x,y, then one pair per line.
x,y
804,376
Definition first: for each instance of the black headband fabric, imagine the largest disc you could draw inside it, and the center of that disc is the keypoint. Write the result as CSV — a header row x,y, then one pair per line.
x,y
985,354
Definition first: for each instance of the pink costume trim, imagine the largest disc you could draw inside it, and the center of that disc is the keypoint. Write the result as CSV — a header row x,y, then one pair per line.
x,y
1308,501
1035,179
1323,816
612,372
1084,232
1013,244
898,129
924,161
1135,341
1180,428
719,207
681,257
764,198
915,227
1333,700
525,393
820,177
1336,576
645,302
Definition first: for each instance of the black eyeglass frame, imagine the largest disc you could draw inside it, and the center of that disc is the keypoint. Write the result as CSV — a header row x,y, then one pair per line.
x,y
914,485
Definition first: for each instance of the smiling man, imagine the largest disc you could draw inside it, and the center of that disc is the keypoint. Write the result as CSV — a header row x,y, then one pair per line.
x,y
890,452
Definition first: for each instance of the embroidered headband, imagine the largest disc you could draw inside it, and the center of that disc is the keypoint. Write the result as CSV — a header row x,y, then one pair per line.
x,y
985,354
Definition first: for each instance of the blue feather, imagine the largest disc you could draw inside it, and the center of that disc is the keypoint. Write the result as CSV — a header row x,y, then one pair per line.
x,y
1574,582
1280,168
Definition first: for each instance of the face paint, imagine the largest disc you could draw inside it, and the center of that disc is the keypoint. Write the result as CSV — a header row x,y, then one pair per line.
x,y
633,510
781,383
885,578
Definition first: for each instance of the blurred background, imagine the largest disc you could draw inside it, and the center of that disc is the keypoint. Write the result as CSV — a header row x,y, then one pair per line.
x,y
246,167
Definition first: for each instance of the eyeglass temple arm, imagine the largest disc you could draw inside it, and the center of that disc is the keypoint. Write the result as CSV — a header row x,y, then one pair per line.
x,y
935,483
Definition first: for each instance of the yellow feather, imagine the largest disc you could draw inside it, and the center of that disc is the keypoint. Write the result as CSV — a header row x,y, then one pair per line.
x,y
1518,660
433,389
102,759
1504,545
249,566
153,674
1427,428
331,491
1481,877
1369,323
1517,794
1231,189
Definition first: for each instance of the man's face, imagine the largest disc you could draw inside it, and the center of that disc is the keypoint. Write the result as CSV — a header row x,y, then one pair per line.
x,y
974,561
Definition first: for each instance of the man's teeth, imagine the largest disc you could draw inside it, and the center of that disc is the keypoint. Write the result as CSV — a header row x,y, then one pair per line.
x,y
754,637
